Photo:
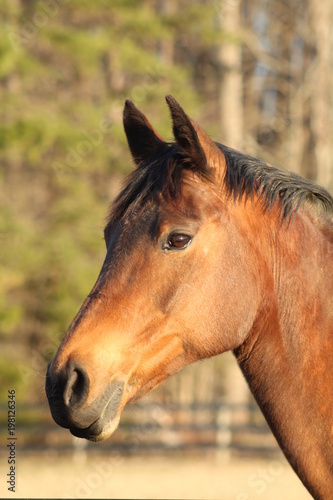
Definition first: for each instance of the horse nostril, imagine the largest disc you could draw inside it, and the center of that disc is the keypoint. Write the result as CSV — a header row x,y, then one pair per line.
x,y
76,386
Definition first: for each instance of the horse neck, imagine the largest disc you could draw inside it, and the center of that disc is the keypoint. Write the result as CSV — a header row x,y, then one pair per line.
x,y
286,358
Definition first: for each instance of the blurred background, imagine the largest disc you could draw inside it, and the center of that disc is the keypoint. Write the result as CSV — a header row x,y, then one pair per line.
x,y
257,75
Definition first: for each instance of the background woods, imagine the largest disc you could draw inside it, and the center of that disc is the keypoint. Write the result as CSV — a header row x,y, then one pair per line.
x,y
257,75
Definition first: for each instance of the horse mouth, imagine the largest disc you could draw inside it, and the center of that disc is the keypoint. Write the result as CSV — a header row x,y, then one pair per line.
x,y
99,430
106,423
94,422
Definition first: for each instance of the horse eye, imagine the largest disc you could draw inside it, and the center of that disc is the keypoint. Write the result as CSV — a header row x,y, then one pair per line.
x,y
179,240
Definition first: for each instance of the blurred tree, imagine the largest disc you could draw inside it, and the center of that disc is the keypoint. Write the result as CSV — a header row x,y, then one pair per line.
x,y
321,18
230,84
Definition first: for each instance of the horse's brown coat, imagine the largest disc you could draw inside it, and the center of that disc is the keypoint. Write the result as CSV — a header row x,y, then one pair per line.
x,y
256,278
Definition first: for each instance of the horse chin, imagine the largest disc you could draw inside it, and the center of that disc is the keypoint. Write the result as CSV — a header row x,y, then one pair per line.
x,y
107,421
98,430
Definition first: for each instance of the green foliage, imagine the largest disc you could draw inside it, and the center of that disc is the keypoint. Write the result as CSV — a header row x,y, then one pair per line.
x,y
10,377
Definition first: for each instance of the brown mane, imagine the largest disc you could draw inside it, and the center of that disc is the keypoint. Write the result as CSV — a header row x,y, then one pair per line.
x,y
245,176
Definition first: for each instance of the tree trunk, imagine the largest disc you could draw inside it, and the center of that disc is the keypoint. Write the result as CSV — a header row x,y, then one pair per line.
x,y
230,85
321,14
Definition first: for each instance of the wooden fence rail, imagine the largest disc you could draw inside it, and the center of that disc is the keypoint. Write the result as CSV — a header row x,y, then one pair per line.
x,y
222,429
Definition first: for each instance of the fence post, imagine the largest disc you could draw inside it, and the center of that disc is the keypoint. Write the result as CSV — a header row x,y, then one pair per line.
x,y
223,433
80,452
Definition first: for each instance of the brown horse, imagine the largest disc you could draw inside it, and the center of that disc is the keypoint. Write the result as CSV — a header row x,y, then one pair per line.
x,y
208,250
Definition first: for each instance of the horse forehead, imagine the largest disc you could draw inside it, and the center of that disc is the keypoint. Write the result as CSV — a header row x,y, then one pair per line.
x,y
196,201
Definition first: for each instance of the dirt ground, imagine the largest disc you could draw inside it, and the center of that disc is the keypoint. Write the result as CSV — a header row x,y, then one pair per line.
x,y
141,477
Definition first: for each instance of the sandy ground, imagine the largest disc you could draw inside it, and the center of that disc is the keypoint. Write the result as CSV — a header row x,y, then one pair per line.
x,y
141,477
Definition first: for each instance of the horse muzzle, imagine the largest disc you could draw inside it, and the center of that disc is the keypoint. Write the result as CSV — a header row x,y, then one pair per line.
x,y
67,391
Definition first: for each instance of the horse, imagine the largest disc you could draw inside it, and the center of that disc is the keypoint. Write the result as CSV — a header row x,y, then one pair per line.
x,y
208,250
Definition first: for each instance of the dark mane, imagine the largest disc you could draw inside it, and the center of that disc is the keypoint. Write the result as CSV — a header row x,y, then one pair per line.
x,y
161,175
245,176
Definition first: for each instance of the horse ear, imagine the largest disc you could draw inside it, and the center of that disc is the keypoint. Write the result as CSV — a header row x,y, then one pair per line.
x,y
194,143
144,142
